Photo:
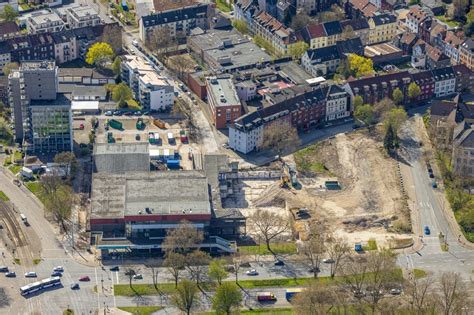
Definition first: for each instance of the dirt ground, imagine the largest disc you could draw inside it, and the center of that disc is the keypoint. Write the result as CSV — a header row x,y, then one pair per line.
x,y
368,205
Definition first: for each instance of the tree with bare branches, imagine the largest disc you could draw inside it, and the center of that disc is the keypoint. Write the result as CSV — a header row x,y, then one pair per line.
x,y
236,262
420,295
174,263
182,239
452,293
185,297
314,248
337,250
280,136
196,264
317,299
269,226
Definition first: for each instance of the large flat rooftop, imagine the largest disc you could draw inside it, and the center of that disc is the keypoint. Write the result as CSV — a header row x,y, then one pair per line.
x,y
223,91
163,193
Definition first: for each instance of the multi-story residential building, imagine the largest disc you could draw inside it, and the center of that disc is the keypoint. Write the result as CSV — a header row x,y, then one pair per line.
x,y
79,15
463,149
61,46
315,36
464,79
51,125
445,81
33,81
466,53
151,90
44,22
333,32
376,88
223,100
8,30
177,22
276,33
245,10
360,28
450,47
425,80
246,90
338,103
414,17
383,28
359,8
321,61
299,106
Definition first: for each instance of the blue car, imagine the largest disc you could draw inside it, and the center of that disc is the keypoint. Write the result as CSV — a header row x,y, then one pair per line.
x,y
427,230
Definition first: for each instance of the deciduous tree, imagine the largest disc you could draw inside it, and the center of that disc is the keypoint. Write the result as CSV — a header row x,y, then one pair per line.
x,y
9,67
99,53
175,263
298,49
116,66
185,298
269,226
397,96
337,250
348,32
217,270
360,66
241,26
299,21
182,239
358,101
196,263
227,298
8,13
59,204
420,294
68,161
365,114
121,94
280,137
383,107
452,293
317,299
413,90
460,8
314,248
236,261
395,117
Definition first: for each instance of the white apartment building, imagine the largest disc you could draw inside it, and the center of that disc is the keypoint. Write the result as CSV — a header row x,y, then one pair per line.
x,y
245,139
445,81
414,17
79,15
337,103
154,92
44,22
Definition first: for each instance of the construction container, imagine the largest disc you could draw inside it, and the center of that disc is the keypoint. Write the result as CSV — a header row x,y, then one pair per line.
x,y
183,136
157,138
110,137
171,139
115,124
173,164
140,125
151,137
159,123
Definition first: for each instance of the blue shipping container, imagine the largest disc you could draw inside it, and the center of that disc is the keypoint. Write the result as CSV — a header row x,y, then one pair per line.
x,y
124,5
172,164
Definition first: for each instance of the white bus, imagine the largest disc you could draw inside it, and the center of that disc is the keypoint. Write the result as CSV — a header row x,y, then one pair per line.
x,y
39,285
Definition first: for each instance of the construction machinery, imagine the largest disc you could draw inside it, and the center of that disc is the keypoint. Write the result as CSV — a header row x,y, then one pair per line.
x,y
159,123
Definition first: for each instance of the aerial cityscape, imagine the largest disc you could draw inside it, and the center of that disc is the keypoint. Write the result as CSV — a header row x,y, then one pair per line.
x,y
270,157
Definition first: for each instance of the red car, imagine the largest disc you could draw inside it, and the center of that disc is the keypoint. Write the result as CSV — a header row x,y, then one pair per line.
x,y
85,278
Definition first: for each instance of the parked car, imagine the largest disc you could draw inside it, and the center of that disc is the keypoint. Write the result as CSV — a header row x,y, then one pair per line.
x,y
31,274
137,276
434,185
431,175
328,261
427,230
10,274
128,113
311,270
395,291
75,286
137,113
84,278
108,113
118,113
56,274
3,269
58,268
114,268
251,272
279,263
135,42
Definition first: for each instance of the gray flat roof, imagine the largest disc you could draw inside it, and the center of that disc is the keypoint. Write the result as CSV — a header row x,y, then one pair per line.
x,y
172,192
223,91
241,55
121,148
89,90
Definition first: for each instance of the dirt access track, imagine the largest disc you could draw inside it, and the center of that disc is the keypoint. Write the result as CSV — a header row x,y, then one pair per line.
x,y
370,197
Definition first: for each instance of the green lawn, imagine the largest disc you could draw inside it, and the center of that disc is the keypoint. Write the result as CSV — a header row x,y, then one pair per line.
x,y
141,310
446,20
17,156
15,169
278,248
148,289
3,196
35,188
419,273
371,245
306,161
223,6
260,311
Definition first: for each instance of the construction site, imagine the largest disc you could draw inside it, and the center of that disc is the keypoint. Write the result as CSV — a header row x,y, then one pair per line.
x,y
348,182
